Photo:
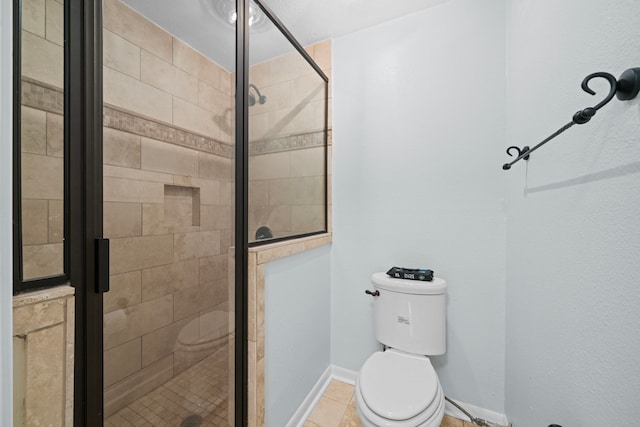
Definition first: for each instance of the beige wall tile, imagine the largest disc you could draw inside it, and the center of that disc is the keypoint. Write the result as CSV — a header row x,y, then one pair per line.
x,y
163,157
296,191
288,67
121,148
124,291
122,361
196,64
299,119
133,191
122,219
33,128
213,268
258,126
42,177
45,377
19,380
210,190
169,278
215,217
269,166
322,54
215,323
307,89
307,218
214,167
196,119
56,221
277,218
29,318
165,76
214,100
278,96
259,74
132,26
134,253
42,260
55,22
153,219
126,324
34,222
137,174
196,245
120,54
55,133
42,60
123,91
190,301
227,82
259,193
308,162
181,209
168,339
33,16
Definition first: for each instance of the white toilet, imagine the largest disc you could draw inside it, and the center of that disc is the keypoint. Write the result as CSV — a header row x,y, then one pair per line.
x,y
399,387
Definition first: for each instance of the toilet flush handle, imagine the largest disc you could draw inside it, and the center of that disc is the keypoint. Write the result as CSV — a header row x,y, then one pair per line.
x,y
372,293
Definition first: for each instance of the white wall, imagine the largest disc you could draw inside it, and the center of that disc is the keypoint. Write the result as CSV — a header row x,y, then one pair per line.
x,y
572,339
297,327
418,143
6,278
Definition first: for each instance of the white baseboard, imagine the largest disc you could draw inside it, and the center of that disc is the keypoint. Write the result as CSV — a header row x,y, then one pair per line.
x,y
345,375
476,411
309,402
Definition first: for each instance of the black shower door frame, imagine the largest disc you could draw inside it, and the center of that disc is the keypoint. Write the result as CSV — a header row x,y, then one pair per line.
x,y
88,266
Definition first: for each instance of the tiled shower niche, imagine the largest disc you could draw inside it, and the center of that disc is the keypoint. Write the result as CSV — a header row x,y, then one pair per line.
x,y
168,213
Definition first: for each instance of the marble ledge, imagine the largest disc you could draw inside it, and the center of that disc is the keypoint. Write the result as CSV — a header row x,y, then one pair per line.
x,y
35,297
273,251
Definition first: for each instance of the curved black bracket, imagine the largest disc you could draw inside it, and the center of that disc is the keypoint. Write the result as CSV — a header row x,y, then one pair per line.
x,y
625,88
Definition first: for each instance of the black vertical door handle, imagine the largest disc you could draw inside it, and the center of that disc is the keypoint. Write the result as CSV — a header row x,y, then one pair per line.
x,y
102,265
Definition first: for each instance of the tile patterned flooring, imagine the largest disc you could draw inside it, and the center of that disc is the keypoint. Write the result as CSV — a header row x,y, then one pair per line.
x,y
337,408
200,390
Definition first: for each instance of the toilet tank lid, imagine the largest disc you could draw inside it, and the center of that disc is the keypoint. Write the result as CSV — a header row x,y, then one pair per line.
x,y
383,281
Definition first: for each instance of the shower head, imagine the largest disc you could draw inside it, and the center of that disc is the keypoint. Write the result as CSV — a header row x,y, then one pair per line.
x,y
252,99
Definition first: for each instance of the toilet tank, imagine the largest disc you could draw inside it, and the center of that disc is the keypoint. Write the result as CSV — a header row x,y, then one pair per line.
x,y
409,315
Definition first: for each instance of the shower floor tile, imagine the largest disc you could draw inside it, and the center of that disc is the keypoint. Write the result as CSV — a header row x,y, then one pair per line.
x,y
200,390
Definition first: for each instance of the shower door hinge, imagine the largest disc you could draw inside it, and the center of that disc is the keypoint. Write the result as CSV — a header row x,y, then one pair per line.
x,y
102,265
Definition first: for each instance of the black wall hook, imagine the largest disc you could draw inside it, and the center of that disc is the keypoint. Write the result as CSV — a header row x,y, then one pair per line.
x,y
625,88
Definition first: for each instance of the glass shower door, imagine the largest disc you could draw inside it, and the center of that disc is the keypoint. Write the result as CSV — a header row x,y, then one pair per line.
x,y
169,118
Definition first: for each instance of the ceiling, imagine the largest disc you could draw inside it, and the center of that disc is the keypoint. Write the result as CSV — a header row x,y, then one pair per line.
x,y
309,21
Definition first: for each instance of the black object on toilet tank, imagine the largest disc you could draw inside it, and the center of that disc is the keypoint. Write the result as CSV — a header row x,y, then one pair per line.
x,y
411,273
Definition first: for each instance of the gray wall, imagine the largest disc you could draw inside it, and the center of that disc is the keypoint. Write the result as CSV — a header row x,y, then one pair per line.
x,y
296,330
418,144
573,246
6,371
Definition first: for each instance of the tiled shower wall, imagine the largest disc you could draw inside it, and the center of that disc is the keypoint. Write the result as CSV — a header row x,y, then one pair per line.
x,y
167,204
42,137
286,144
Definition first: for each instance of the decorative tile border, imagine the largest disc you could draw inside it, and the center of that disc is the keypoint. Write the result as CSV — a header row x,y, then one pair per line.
x,y
39,95
286,143
136,124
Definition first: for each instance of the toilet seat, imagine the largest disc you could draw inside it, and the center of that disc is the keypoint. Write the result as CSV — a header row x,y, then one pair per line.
x,y
397,389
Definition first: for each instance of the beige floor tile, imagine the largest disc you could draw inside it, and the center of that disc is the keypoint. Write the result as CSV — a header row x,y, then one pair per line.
x,y
451,422
351,418
339,391
328,413
310,424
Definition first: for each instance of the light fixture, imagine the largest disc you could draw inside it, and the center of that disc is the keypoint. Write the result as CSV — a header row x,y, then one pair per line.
x,y
226,11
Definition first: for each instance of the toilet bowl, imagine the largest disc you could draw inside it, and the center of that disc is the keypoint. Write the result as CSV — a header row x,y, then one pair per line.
x,y
398,389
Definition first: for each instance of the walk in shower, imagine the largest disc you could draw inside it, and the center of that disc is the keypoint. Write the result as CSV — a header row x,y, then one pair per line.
x,y
169,186
187,181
